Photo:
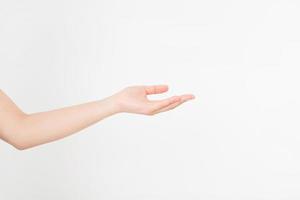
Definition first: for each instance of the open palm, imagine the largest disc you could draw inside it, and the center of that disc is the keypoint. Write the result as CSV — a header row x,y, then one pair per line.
x,y
134,99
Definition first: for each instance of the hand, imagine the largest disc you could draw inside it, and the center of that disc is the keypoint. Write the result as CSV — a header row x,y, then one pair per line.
x,y
134,100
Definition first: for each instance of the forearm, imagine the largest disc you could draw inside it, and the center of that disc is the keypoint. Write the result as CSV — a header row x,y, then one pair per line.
x,y
39,128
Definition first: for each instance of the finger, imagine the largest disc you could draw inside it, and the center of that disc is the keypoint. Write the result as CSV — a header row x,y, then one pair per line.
x,y
184,98
170,107
156,89
187,97
159,104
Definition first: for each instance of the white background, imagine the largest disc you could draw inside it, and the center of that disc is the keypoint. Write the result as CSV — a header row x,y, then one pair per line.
x,y
239,139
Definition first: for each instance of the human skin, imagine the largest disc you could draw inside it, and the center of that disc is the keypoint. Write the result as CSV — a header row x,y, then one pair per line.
x,y
25,131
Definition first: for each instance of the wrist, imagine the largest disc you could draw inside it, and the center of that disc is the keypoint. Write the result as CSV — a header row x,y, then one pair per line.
x,y
112,105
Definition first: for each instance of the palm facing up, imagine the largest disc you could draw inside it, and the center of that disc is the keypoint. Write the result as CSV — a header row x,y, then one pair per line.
x,y
134,100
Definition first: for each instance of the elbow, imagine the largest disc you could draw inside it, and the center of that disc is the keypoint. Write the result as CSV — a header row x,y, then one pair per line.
x,y
14,135
16,139
20,146
18,143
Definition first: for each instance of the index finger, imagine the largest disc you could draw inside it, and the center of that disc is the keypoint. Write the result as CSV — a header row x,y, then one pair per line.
x,y
156,89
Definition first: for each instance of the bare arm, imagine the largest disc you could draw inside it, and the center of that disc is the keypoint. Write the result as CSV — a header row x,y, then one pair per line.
x,y
28,130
